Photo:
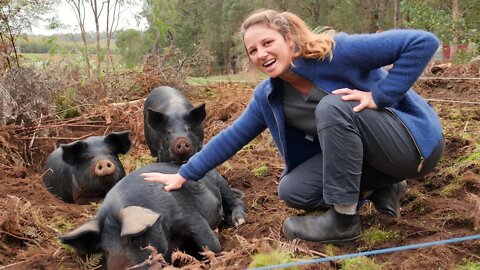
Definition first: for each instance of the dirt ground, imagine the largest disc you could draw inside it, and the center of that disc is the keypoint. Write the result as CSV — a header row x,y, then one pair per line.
x,y
444,204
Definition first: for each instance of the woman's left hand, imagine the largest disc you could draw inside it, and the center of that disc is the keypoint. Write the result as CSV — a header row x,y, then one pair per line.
x,y
365,98
171,181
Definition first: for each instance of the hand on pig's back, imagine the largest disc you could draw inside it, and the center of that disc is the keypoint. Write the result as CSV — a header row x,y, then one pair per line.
x,y
171,181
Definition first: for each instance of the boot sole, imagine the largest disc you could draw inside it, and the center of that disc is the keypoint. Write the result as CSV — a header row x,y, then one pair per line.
x,y
342,242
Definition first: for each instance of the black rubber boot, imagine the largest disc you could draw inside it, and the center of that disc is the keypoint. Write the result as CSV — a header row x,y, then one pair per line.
x,y
331,227
387,200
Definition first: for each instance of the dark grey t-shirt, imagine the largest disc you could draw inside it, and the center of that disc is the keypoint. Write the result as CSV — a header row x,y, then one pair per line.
x,y
299,108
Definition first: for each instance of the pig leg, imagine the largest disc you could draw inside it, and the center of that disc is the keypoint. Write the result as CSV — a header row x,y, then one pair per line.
x,y
233,206
202,235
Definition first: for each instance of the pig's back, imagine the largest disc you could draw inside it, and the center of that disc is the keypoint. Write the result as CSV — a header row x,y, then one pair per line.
x,y
133,190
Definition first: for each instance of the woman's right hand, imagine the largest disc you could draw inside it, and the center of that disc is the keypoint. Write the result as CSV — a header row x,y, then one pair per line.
x,y
171,181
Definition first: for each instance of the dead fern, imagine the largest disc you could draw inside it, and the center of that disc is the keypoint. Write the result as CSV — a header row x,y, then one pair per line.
x,y
91,261
183,258
155,260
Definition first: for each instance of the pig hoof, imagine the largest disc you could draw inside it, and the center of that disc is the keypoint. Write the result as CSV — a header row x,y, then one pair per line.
x,y
239,222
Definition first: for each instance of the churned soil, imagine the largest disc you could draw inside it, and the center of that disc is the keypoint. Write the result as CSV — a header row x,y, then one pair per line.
x,y
442,205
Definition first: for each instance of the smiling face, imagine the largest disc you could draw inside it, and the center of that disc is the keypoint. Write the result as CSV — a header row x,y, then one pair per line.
x,y
268,50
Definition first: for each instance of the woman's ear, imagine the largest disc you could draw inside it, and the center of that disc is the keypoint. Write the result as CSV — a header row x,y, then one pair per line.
x,y
290,41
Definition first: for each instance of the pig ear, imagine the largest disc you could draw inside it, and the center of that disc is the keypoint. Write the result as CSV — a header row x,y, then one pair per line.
x,y
120,141
136,220
84,239
198,114
72,152
156,119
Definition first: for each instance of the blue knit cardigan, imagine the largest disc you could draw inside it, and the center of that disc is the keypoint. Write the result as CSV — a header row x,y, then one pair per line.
x,y
357,64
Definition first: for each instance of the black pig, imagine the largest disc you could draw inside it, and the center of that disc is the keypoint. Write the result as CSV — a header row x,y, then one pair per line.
x,y
173,127
137,213
84,171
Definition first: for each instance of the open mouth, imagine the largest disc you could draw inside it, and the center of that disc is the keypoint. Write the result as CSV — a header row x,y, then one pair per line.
x,y
269,63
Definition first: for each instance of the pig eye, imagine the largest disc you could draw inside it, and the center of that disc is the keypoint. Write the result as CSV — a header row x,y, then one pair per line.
x,y
169,131
188,128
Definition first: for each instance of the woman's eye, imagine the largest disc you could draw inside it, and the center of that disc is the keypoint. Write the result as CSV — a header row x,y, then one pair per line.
x,y
252,52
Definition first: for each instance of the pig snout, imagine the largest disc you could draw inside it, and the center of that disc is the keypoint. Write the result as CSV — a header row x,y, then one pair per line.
x,y
181,147
119,261
104,167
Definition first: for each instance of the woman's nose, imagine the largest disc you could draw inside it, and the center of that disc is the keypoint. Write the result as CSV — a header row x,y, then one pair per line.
x,y
262,53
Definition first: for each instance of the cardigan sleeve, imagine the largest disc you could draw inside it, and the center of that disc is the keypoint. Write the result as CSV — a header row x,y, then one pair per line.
x,y
225,144
409,52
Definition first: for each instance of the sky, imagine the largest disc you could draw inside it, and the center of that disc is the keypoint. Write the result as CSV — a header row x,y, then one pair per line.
x,y
65,15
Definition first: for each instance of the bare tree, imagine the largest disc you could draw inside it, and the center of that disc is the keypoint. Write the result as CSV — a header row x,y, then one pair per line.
x,y
113,18
97,10
78,7
455,17
16,16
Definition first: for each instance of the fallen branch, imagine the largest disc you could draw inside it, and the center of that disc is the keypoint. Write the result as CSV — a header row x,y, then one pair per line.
x,y
12,265
58,138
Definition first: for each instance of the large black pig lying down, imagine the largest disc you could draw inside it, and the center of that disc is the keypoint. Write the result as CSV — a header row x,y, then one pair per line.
x,y
84,171
137,213
173,126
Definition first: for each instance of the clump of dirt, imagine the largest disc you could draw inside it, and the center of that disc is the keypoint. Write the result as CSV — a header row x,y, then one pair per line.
x,y
444,204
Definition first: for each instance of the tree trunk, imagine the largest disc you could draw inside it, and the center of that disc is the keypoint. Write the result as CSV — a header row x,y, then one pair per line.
x,y
374,16
397,15
455,16
96,16
78,7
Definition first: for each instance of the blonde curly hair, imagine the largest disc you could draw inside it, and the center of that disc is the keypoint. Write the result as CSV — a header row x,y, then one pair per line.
x,y
308,44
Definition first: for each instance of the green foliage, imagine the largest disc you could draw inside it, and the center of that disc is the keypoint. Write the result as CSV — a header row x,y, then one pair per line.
x,y
129,47
61,225
260,171
65,103
426,14
375,236
272,258
330,250
360,263
468,265
464,56
131,163
436,16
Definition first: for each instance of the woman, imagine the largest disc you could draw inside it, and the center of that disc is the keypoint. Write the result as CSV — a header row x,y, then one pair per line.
x,y
347,129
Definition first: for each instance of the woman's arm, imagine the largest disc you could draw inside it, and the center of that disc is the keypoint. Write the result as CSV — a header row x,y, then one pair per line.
x,y
409,52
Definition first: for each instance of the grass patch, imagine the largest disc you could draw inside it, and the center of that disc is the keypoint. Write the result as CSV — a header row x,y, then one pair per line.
x,y
456,170
131,163
260,171
360,263
468,265
272,258
61,225
375,236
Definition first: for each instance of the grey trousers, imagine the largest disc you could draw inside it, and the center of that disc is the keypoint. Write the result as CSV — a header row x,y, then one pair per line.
x,y
361,151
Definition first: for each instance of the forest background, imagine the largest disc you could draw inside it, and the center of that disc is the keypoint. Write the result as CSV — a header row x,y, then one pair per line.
x,y
202,35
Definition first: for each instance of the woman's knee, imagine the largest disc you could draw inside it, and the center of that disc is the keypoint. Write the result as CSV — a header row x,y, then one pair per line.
x,y
284,189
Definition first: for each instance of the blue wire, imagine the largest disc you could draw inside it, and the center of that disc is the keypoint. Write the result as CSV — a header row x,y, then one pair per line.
x,y
371,252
